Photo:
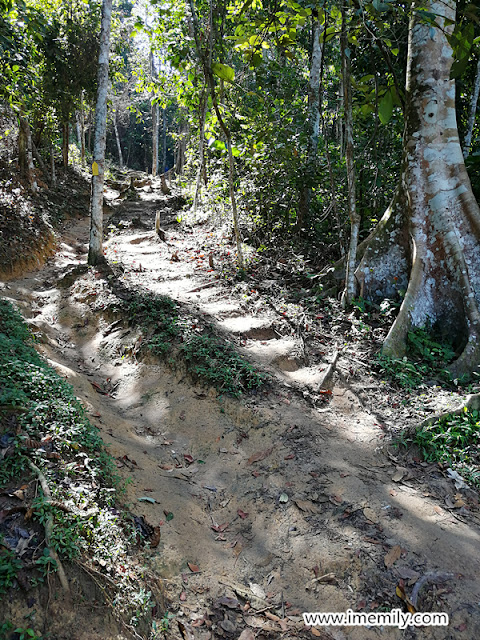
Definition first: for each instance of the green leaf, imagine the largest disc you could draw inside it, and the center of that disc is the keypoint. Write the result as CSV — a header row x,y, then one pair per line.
x,y
217,144
147,499
223,71
385,107
236,152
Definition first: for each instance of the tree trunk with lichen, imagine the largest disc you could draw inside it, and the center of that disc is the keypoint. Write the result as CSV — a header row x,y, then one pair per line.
x,y
95,251
427,243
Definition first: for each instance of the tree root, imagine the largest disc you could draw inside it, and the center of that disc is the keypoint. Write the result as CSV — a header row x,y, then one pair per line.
x,y
472,402
49,528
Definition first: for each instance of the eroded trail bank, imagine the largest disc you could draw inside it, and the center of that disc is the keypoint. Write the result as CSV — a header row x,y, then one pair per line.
x,y
284,502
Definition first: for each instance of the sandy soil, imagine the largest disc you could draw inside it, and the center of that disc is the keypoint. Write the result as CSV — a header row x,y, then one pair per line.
x,y
292,504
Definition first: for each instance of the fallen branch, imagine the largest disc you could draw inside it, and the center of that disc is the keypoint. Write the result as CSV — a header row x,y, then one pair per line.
x,y
49,528
327,378
433,577
204,286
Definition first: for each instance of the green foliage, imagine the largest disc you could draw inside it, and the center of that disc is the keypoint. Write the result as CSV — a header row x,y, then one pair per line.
x,y
9,567
220,365
209,358
7,632
454,440
425,359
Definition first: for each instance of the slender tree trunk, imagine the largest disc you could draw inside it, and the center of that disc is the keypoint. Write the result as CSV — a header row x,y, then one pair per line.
x,y
154,121
349,292
117,138
79,132
181,147
90,127
53,173
65,137
154,139
25,154
95,253
82,129
313,121
340,122
164,139
473,112
39,159
201,146
204,60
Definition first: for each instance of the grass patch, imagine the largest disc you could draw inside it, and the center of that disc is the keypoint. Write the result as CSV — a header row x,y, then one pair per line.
x,y
42,423
209,357
454,440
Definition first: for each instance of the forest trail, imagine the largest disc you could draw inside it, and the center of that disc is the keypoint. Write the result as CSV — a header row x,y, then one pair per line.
x,y
287,499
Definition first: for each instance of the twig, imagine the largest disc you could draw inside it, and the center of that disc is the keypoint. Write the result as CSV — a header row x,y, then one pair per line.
x,y
428,577
49,528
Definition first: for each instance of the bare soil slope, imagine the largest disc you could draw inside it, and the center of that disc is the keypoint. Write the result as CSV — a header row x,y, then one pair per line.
x,y
289,498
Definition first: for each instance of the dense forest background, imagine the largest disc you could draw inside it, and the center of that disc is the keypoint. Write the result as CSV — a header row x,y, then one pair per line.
x,y
278,71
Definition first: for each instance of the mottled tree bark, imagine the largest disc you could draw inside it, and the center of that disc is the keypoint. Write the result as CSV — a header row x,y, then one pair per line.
x,y
349,291
95,253
427,243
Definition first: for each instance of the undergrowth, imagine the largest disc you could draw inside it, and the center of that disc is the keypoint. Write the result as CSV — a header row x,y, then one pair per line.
x,y
43,424
454,440
209,357
425,359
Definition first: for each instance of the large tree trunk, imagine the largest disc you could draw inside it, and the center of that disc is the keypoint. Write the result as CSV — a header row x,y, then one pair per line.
x,y
427,243
95,252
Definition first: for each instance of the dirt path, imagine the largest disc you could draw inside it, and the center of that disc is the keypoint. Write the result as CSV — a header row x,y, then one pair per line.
x,y
288,501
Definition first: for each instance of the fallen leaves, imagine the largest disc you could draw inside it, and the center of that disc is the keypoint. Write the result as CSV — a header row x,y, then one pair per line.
x,y
259,455
393,555
399,474
306,506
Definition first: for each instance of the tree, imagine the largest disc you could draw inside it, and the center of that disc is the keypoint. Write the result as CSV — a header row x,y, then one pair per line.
x,y
427,243
95,253
349,291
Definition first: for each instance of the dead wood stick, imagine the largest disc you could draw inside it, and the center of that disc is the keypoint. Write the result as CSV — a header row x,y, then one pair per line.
x,y
49,528
428,577
204,286
327,379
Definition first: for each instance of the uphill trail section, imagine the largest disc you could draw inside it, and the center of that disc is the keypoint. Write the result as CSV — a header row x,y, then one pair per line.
x,y
286,497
